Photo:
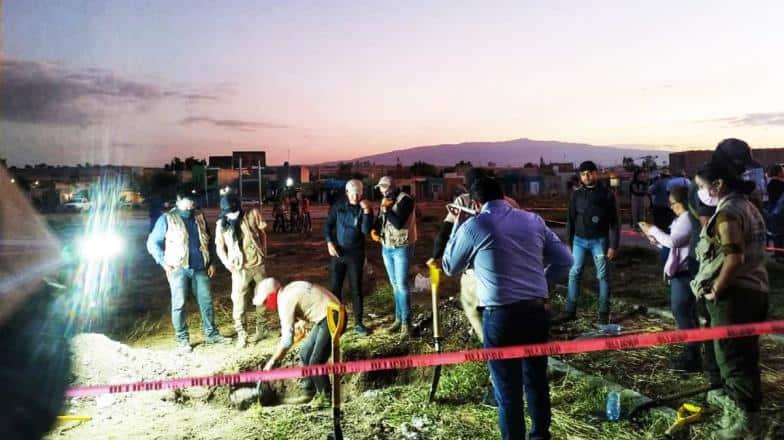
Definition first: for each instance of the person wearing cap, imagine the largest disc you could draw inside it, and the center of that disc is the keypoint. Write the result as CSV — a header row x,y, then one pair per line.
x,y
638,189
593,227
515,257
396,229
179,243
349,221
733,280
300,304
241,245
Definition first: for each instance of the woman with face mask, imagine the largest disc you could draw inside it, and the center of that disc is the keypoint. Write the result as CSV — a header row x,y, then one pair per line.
x,y
676,271
241,245
733,280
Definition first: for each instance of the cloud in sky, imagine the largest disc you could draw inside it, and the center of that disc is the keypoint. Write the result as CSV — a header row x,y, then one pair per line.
x,y
754,120
45,93
233,124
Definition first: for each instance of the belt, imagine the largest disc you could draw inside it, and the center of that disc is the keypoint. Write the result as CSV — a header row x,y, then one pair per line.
x,y
521,303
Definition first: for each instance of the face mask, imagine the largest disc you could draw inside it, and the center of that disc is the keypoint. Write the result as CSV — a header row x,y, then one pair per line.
x,y
271,303
233,215
708,199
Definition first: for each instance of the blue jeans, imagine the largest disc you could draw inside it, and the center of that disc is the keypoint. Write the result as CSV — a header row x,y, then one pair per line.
x,y
180,281
525,322
316,349
396,262
684,308
596,247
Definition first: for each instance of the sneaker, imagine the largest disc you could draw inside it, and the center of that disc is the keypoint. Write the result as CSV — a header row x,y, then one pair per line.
x,y
394,327
361,330
242,340
184,347
489,399
564,317
321,401
217,339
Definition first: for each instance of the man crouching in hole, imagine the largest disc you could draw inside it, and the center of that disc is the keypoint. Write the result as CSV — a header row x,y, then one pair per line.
x,y
300,303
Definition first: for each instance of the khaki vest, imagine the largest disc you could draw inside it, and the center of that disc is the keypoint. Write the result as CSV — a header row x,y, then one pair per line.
x,y
394,237
176,250
753,273
231,252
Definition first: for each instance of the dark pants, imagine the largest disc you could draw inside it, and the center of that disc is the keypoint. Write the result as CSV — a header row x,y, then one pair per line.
x,y
738,358
709,365
351,263
524,322
684,308
315,350
663,217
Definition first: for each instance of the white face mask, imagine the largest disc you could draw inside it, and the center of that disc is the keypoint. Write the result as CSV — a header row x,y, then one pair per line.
x,y
707,197
233,215
184,204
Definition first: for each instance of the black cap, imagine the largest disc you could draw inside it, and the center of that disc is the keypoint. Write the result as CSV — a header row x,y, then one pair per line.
x,y
229,201
186,190
737,153
588,166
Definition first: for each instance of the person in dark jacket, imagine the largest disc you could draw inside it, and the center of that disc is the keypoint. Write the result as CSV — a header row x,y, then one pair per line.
x,y
593,227
639,197
348,223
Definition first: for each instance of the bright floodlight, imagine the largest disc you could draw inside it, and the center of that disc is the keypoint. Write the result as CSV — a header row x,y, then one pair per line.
x,y
100,246
289,181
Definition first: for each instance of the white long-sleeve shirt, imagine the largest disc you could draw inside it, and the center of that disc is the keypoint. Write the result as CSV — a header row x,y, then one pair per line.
x,y
678,242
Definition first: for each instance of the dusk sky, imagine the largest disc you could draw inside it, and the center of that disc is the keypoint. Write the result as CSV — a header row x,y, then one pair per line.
x,y
137,82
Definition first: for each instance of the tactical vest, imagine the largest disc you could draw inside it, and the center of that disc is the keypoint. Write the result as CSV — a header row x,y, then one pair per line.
x,y
176,252
752,274
394,237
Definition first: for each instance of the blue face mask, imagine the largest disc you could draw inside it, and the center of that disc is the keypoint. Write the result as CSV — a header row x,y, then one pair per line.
x,y
186,213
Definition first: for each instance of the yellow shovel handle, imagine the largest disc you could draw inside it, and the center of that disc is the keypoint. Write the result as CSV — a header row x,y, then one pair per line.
x,y
73,418
336,328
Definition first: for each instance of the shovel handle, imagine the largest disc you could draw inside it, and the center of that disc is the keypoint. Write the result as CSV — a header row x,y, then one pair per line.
x,y
336,327
435,280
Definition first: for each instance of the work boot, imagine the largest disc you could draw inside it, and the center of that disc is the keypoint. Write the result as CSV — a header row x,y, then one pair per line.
x,y
304,396
406,330
242,340
217,339
394,327
361,330
321,400
744,424
258,335
564,317
184,347
716,397
604,318
686,362
489,399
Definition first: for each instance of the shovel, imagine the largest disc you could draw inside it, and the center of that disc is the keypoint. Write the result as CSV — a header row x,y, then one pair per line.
x,y
335,330
435,278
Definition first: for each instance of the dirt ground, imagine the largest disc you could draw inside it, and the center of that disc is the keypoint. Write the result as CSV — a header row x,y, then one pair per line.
x,y
133,340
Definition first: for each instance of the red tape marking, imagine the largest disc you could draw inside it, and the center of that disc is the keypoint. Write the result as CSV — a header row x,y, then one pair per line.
x,y
457,357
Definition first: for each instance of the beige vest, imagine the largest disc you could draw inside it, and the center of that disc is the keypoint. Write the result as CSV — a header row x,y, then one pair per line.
x,y
394,237
176,250
247,253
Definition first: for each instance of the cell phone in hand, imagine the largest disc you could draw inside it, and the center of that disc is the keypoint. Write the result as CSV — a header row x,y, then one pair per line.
x,y
465,209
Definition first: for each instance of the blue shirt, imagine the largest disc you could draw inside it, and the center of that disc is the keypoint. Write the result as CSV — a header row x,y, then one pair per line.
x,y
157,239
514,254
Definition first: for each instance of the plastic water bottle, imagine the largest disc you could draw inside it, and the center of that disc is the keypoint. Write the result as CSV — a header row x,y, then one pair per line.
x,y
613,406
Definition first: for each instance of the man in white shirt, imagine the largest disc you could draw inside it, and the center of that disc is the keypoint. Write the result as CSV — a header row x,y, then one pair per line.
x,y
300,303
